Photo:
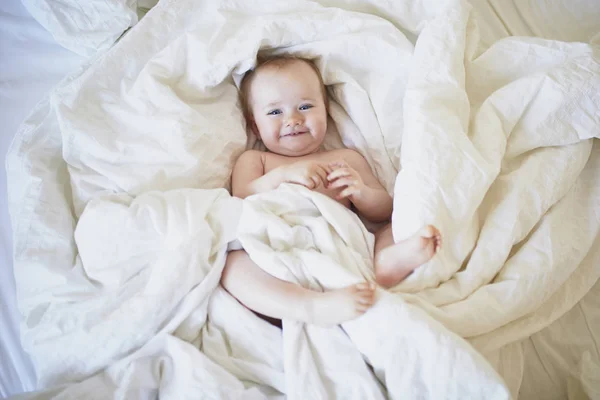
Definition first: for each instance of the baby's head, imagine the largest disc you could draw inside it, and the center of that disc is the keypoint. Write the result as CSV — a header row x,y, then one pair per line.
x,y
285,104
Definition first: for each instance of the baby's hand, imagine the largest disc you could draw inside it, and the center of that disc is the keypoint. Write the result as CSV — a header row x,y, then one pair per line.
x,y
307,173
344,176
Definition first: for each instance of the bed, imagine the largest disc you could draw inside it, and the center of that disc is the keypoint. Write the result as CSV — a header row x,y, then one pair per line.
x,y
561,359
32,63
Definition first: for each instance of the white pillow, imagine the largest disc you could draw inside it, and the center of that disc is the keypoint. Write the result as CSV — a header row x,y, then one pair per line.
x,y
84,26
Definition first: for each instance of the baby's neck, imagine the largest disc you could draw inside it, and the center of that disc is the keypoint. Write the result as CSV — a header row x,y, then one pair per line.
x,y
320,149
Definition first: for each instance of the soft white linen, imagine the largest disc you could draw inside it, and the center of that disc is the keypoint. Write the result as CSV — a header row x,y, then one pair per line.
x,y
504,163
84,27
563,360
304,237
170,288
31,63
566,20
521,173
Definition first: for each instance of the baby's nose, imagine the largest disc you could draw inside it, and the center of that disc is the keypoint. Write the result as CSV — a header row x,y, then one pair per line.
x,y
294,120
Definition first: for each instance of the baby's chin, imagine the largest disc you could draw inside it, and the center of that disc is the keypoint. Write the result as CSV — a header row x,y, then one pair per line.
x,y
297,151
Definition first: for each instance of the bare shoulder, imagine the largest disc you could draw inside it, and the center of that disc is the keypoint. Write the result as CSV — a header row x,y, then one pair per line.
x,y
248,167
351,156
250,157
356,161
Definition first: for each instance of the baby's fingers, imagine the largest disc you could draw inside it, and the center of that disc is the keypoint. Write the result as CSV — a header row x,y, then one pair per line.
x,y
315,179
327,168
349,191
342,182
322,173
306,181
338,164
338,173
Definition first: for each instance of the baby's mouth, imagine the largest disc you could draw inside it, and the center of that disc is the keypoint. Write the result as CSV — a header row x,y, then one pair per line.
x,y
291,134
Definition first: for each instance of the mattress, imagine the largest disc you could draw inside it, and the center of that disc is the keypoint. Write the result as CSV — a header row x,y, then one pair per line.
x,y
32,63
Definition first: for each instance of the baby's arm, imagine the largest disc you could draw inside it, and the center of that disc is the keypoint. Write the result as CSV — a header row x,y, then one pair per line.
x,y
362,187
249,175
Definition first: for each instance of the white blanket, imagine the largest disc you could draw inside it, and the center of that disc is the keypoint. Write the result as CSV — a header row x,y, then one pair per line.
x,y
117,260
309,239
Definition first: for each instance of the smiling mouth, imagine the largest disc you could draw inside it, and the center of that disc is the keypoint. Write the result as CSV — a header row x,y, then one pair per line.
x,y
295,134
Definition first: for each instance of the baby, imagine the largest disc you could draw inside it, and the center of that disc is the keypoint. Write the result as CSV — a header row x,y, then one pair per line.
x,y
285,105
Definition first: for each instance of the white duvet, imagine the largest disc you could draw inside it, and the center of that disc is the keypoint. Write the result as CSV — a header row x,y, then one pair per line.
x,y
122,223
85,28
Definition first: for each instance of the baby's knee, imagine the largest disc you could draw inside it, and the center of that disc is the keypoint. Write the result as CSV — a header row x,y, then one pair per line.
x,y
385,280
383,275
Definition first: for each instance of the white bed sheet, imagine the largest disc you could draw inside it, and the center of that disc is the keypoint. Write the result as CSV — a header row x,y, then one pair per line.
x,y
565,20
31,63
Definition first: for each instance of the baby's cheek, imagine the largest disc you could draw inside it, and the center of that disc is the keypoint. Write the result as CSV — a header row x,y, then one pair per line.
x,y
322,122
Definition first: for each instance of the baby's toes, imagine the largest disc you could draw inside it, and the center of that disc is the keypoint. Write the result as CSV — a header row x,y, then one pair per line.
x,y
361,308
364,291
361,287
363,302
366,297
428,231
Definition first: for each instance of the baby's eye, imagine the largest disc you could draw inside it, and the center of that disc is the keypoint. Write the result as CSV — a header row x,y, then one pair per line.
x,y
274,112
304,107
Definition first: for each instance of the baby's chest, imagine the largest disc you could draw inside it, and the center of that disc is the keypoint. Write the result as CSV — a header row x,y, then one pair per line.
x,y
276,162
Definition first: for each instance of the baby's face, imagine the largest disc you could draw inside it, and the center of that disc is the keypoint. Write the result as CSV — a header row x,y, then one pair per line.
x,y
288,109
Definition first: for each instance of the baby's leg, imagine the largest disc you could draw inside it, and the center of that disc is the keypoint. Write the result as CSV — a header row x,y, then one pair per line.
x,y
395,261
275,298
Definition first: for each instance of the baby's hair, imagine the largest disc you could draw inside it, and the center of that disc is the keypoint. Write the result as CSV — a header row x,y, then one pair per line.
x,y
277,62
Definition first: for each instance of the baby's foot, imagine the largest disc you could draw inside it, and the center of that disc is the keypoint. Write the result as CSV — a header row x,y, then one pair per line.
x,y
394,263
336,306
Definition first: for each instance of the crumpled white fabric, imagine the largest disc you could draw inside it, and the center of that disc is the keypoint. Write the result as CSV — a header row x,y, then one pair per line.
x,y
309,239
84,27
121,222
517,195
